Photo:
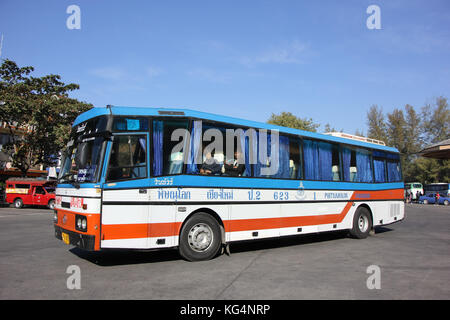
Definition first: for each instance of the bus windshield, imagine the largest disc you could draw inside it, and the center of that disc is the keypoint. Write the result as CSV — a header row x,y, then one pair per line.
x,y
81,159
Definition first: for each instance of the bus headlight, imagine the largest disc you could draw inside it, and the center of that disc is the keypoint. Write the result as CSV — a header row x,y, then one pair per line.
x,y
81,223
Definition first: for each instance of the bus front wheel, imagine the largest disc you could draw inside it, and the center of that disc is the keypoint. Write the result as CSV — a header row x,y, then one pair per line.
x,y
200,238
362,223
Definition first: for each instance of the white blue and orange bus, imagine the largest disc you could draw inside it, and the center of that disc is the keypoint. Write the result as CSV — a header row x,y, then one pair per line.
x,y
128,180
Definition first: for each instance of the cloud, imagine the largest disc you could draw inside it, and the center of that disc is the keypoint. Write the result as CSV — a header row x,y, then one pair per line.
x,y
108,73
293,53
113,73
153,71
209,75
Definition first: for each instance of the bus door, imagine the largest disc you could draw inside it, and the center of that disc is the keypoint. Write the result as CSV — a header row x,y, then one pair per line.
x,y
125,199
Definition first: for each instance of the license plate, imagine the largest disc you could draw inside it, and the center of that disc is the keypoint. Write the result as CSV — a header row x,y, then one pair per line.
x,y
65,238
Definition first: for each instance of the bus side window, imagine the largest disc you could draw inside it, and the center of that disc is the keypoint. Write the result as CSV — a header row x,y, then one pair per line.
x,y
321,161
393,170
170,139
357,165
295,159
379,168
335,163
128,158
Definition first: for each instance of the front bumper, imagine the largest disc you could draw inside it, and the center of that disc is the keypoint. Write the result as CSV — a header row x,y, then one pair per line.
x,y
83,241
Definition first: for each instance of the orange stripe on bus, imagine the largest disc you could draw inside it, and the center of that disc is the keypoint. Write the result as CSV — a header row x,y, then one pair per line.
x,y
124,231
139,230
285,222
148,230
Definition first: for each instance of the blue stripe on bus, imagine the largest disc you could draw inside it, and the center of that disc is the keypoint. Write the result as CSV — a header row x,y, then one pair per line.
x,y
185,181
133,111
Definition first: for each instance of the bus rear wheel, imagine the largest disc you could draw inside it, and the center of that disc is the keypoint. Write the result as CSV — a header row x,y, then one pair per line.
x,y
362,223
200,238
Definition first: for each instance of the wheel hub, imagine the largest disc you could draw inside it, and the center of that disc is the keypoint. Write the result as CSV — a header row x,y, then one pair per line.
x,y
200,237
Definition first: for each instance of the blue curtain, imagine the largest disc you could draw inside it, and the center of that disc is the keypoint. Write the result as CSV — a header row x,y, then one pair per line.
x,y
346,158
158,130
283,158
194,148
300,164
259,163
379,170
245,149
255,149
393,171
363,166
269,154
311,155
325,161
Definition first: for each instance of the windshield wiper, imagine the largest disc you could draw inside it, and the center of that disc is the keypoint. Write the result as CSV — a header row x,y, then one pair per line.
x,y
76,184
65,176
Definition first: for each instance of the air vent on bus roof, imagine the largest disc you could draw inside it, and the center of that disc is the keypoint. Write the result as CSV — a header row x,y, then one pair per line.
x,y
171,113
353,137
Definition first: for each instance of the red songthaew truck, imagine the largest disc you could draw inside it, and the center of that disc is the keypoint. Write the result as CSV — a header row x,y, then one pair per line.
x,y
22,192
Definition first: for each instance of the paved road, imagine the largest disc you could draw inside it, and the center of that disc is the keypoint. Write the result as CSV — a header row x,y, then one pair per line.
x,y
413,258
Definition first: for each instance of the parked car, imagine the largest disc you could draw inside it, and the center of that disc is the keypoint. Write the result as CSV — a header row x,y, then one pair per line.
x,y
22,192
430,198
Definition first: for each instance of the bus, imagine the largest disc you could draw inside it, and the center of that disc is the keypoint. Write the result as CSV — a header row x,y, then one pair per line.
x,y
413,187
148,178
439,187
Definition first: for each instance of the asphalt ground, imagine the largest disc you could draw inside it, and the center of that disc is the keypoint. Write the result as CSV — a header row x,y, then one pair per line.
x,y
406,260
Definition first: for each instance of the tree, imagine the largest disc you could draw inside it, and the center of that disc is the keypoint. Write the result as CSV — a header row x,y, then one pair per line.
x,y
287,119
329,128
413,130
436,121
376,124
409,132
359,133
38,114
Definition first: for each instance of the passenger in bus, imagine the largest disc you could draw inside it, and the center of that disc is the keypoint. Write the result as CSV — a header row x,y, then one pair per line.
x,y
210,166
233,168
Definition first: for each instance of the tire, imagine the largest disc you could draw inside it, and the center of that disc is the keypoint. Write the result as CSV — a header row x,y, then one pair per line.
x,y
362,223
51,204
425,201
446,203
200,238
18,203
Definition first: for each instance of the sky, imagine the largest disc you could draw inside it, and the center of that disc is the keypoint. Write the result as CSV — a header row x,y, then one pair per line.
x,y
246,59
